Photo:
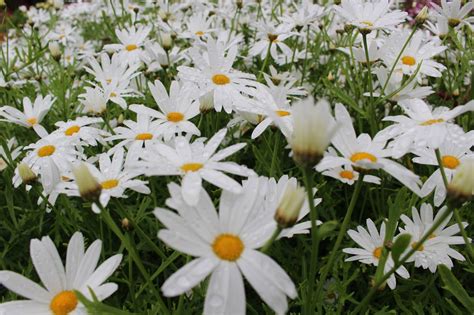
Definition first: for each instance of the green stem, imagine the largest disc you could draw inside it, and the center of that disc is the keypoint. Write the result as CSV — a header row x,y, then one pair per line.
x,y
131,250
441,168
275,153
361,308
340,236
373,118
313,215
303,72
265,62
270,241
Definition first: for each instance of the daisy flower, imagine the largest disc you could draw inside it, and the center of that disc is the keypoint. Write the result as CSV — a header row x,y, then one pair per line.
x,y
114,179
225,245
132,41
194,162
422,125
198,26
454,13
111,68
306,13
57,296
372,243
370,15
94,100
213,72
366,153
435,250
273,36
417,52
49,158
135,136
455,150
176,109
32,114
13,152
82,130
156,58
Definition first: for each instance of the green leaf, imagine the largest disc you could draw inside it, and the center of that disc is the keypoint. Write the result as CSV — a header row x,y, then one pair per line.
x,y
324,229
454,286
400,245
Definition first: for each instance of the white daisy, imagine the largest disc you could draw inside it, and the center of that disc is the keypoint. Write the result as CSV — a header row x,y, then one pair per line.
x,y
422,125
213,72
271,35
57,296
435,250
132,41
176,109
372,243
94,100
194,162
453,12
226,246
111,68
32,114
82,129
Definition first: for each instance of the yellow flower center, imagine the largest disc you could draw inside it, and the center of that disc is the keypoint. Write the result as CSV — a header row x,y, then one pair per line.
x,y
453,22
368,23
175,116
432,122
108,81
191,167
347,174
220,79
63,303
72,130
46,150
415,244
228,247
199,33
282,113
450,161
408,60
377,252
32,121
363,156
144,136
131,47
113,94
273,38
109,184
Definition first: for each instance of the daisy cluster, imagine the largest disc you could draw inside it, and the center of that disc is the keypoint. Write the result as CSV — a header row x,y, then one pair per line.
x,y
213,112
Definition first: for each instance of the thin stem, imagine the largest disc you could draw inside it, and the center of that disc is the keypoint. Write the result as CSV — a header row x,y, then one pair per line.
x,y
275,153
361,308
265,62
303,72
270,241
441,168
373,119
313,215
340,236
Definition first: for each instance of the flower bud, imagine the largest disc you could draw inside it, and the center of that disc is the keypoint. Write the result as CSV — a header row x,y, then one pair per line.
x,y
290,205
89,188
2,3
54,50
166,41
206,102
313,128
461,188
422,16
27,175
125,224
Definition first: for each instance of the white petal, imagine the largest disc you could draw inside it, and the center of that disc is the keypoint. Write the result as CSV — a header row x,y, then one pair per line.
x,y
50,271
24,287
191,188
24,308
88,263
75,252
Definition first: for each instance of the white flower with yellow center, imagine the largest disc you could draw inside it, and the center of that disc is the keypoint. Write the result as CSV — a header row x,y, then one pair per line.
x,y
366,153
372,243
49,158
82,130
455,149
225,245
435,250
213,72
194,162
114,179
131,44
57,297
94,100
370,15
136,136
454,13
176,109
111,68
13,152
418,52
198,27
32,114
422,125
273,36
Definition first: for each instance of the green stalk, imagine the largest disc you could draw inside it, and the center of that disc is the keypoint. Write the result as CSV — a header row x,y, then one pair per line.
x,y
303,72
373,118
313,215
265,62
340,236
270,241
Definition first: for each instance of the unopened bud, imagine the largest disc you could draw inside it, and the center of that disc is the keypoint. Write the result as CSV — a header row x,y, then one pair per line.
x,y
206,102
290,206
27,175
2,3
166,41
125,224
89,188
456,92
120,119
54,50
330,76
461,188
422,16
